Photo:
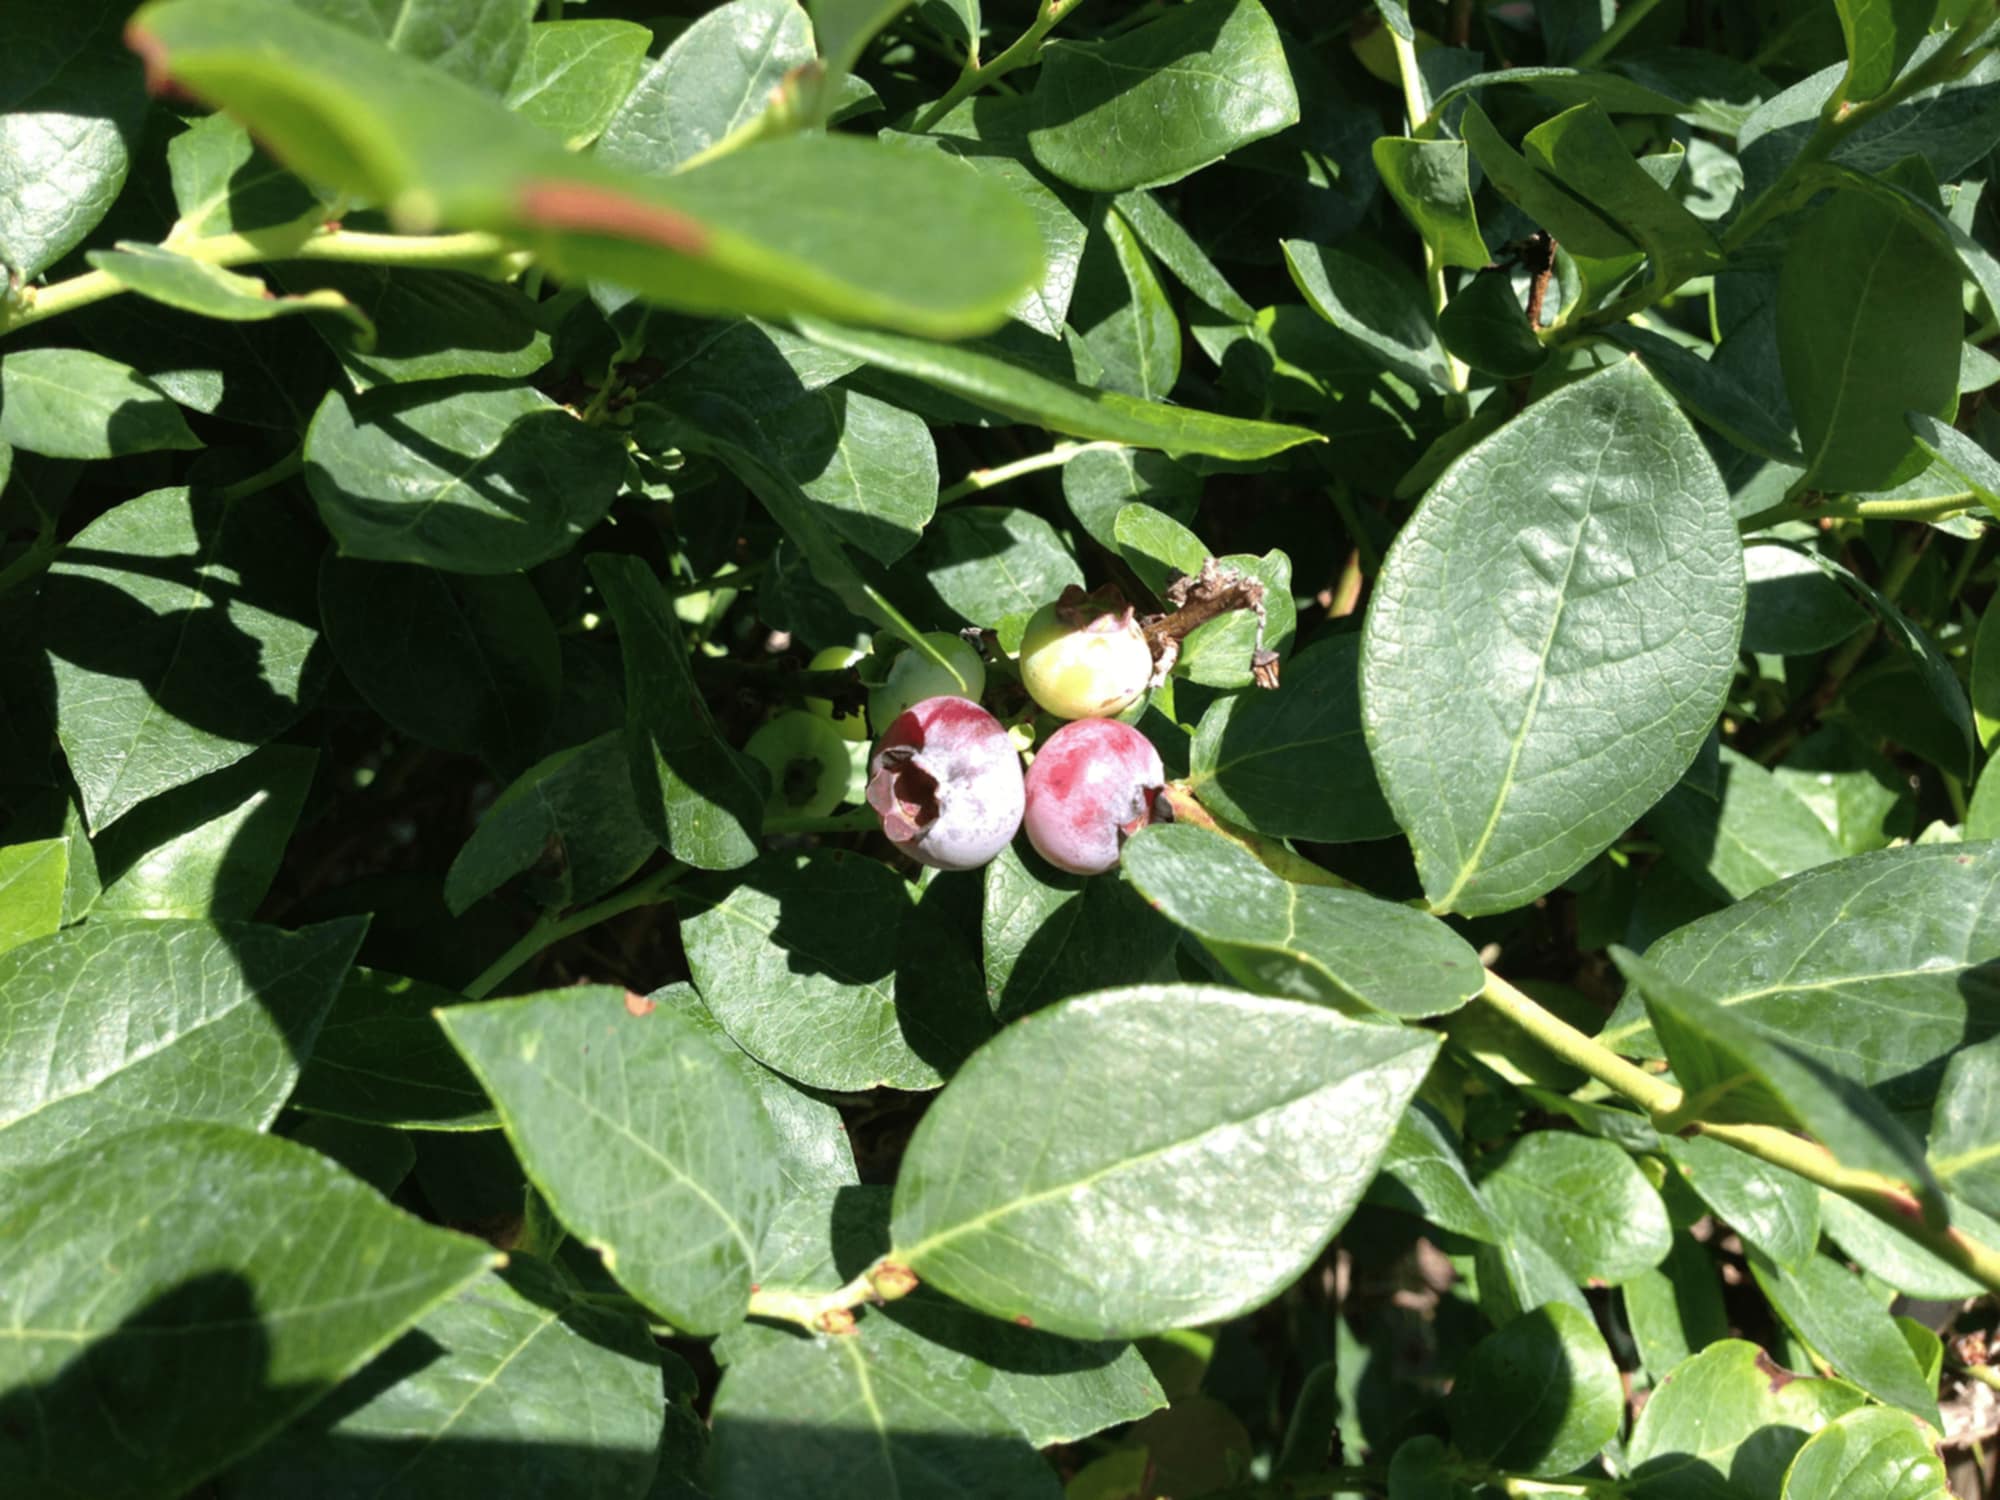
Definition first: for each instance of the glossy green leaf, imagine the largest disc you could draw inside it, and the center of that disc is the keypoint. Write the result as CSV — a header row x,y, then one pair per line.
x,y
1540,1395
698,797
70,403
382,1059
1046,934
161,275
1712,395
464,479
1163,99
1745,833
1178,251
1508,620
456,661
429,324
1096,1220
183,639
991,561
1486,325
1878,966
1886,1253
869,467
1794,608
1516,1276
1585,1201
1880,36
1675,1309
1377,303
640,1134
120,1024
224,184
1858,794
207,849
1122,316
1869,326
1431,183
1726,1423
1573,223
1099,483
806,963
576,74
1016,391
1424,1173
72,105
1294,763
513,1376
478,41
32,879
1867,1455
1335,947
1770,1208
1965,1130
1830,1307
183,1291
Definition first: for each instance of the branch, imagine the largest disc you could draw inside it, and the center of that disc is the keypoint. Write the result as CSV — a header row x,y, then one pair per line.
x,y
1026,49
833,1312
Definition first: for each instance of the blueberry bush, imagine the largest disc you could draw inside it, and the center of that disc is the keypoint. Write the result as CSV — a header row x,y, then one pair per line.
x,y
1114,749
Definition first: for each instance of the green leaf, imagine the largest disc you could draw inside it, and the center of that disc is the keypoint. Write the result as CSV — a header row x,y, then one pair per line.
x,y
1856,793
716,77
1431,183
1486,325
1869,326
1585,1201
697,796
1294,764
32,880
1540,1395
1423,1173
510,1378
478,41
1745,833
862,1416
1377,303
1794,609
120,1024
1099,483
1573,223
805,960
1870,1454
1677,1308
210,848
1965,1130
642,1136
1163,99
1046,934
1516,1276
1156,547
1733,1070
430,325
1726,1423
381,1158
144,1362
1833,1311
1886,1253
223,184
466,479
1963,458
1506,621
456,661
1062,406
1712,395
1219,654
1095,1220
576,75
182,641
72,105
1177,250
869,467
1122,316
991,561
1335,947
70,403
1881,35
1770,1208
1878,967
1583,151
382,1059
767,231
813,1150
570,823
160,275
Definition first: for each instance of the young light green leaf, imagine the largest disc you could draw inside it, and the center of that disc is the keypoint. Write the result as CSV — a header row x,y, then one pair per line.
x,y
640,1134
1015,391
1335,947
1508,621
1833,1311
1585,1201
1871,1454
1039,1214
461,478
1164,99
1965,1130
1377,303
517,1374
576,74
148,1358
116,1025
32,880
70,403
183,638
1430,182
1540,1395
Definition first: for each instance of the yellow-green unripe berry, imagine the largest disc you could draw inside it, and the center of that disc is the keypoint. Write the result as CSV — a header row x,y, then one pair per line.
x,y
913,677
1085,657
852,726
808,762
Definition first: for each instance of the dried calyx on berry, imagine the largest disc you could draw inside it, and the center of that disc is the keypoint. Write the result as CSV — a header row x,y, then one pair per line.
x,y
946,783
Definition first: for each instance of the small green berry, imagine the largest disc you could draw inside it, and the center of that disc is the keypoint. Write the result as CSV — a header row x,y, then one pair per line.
x,y
1085,657
913,677
808,761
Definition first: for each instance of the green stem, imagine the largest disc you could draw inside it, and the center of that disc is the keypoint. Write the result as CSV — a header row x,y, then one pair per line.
x,y
1557,1036
39,554
1055,458
832,1312
263,479
1929,508
1629,16
1026,48
550,929
1986,1375
287,242
1416,103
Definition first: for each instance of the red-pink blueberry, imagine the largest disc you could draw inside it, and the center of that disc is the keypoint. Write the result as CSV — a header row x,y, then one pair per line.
x,y
1089,787
946,783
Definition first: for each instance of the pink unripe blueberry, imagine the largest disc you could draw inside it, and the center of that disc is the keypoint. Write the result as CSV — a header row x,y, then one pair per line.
x,y
1085,656
946,783
1089,787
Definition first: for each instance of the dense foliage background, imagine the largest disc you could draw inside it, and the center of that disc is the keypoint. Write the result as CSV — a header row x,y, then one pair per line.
x,y
461,1033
